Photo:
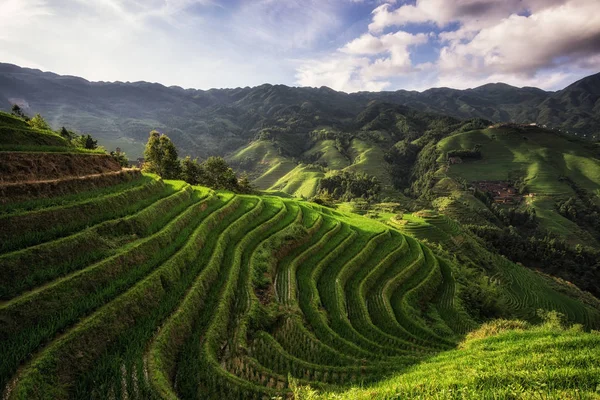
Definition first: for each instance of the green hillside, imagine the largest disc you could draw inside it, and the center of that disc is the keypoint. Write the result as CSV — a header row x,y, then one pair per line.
x,y
17,135
537,155
548,165
157,289
220,121
519,362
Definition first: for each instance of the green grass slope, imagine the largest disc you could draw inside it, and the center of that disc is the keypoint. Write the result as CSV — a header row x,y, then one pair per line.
x,y
539,158
300,177
324,151
161,290
264,162
302,181
369,158
537,155
17,135
548,362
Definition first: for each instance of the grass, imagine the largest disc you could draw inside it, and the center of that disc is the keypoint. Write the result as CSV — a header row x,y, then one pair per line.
x,y
368,158
277,172
271,166
100,241
184,292
544,362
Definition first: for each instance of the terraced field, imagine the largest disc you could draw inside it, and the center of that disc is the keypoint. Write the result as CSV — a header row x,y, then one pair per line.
x,y
540,158
163,290
523,290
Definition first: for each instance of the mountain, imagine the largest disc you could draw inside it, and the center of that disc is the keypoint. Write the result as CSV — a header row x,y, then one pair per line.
x,y
220,121
431,243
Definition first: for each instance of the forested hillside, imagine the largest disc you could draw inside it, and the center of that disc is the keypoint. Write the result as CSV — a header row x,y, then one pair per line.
x,y
219,121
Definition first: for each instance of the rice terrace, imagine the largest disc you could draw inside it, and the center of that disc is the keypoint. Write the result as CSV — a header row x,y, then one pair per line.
x,y
387,219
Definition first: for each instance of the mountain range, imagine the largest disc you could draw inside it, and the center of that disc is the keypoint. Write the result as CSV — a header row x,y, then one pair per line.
x,y
221,121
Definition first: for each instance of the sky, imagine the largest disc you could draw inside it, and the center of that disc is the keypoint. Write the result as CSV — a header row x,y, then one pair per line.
x,y
348,45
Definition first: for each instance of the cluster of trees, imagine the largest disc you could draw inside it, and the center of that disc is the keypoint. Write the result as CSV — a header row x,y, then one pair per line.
x,y
413,165
345,186
509,216
525,218
579,264
121,158
423,173
161,158
581,212
213,172
402,157
582,209
479,295
83,141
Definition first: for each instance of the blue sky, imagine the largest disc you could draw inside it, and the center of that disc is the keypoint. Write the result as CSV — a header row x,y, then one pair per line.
x,y
348,45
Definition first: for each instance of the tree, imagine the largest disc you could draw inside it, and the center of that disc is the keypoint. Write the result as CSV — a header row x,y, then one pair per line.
x,y
244,184
169,161
161,156
152,153
89,142
66,134
82,141
190,170
18,112
39,122
218,174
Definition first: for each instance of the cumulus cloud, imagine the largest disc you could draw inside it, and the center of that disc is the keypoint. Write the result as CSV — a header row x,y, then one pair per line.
x,y
472,13
364,63
392,42
523,45
544,43
338,72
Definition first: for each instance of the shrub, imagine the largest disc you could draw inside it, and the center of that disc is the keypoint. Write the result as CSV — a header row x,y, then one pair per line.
x,y
495,327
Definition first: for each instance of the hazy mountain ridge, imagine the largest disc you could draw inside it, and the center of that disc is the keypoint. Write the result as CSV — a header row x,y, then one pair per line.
x,y
219,121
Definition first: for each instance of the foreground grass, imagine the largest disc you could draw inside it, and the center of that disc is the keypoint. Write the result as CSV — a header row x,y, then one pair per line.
x,y
523,362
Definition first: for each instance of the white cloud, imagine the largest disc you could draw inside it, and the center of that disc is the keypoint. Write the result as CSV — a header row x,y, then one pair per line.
x,y
544,43
474,14
338,72
364,63
522,46
392,42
